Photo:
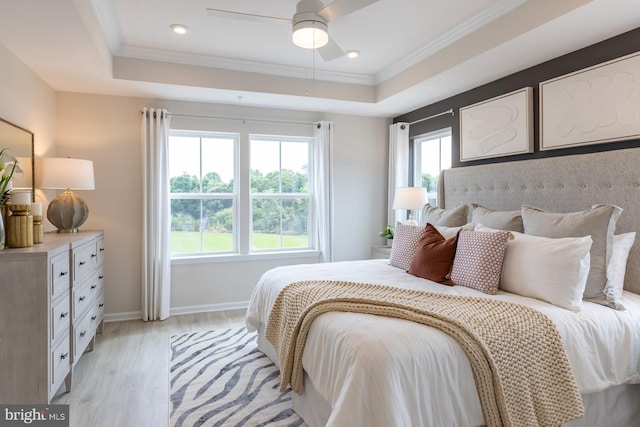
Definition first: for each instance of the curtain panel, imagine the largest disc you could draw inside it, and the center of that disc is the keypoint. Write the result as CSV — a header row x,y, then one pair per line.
x,y
156,215
398,167
323,184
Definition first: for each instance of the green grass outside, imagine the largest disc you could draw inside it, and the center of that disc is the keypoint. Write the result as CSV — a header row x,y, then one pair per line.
x,y
189,241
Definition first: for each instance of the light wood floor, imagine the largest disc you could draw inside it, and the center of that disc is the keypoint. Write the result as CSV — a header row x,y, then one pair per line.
x,y
124,381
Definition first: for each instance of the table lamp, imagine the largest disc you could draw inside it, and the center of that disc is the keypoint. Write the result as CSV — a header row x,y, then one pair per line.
x,y
410,198
67,211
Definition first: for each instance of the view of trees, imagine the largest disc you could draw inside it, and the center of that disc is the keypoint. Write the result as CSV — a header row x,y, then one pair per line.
x,y
217,215
430,182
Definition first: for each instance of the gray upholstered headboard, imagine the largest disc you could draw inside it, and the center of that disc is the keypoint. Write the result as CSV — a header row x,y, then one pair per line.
x,y
561,184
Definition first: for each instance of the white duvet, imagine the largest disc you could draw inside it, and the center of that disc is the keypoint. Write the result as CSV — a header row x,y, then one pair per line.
x,y
379,371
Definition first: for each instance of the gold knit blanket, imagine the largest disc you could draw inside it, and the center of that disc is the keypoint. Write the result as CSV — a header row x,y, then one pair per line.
x,y
519,364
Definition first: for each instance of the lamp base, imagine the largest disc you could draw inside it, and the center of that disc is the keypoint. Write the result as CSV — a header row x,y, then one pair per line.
x,y
67,212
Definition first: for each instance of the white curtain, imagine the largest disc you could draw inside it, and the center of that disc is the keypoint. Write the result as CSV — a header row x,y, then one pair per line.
x,y
398,167
156,221
322,179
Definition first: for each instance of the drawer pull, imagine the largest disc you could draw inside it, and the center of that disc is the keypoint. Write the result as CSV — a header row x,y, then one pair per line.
x,y
94,255
63,315
101,305
101,249
94,317
64,356
63,273
83,333
94,286
81,263
101,277
81,298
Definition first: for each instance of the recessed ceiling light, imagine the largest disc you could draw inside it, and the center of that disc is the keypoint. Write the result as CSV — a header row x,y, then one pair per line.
x,y
353,53
179,28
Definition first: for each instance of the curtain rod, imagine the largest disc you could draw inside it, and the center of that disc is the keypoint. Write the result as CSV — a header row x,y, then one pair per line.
x,y
449,111
243,120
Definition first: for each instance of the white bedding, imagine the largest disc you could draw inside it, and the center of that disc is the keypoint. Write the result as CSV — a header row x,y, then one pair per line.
x,y
383,371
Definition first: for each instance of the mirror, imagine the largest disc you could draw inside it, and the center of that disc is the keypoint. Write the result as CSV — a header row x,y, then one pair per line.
x,y
20,142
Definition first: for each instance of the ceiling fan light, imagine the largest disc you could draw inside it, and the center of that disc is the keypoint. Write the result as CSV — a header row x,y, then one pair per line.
x,y
310,34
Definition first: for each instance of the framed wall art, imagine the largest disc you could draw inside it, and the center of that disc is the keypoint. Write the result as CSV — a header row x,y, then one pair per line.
x,y
592,106
500,126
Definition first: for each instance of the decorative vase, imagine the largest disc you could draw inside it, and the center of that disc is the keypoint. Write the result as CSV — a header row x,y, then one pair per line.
x,y
389,242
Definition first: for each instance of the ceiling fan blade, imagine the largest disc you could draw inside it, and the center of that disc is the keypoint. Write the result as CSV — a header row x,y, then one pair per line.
x,y
340,8
330,51
220,13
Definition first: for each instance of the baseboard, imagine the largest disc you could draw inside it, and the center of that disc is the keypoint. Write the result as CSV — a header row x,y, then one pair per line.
x,y
137,315
121,317
210,307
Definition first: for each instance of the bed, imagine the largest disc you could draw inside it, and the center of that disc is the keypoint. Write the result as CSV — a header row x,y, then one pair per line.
x,y
361,369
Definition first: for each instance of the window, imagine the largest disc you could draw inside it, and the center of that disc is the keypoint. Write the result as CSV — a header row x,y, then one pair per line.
x,y
279,192
217,210
203,191
432,153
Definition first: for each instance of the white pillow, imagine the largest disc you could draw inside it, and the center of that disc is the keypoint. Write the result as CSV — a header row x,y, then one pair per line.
x,y
552,270
617,267
449,232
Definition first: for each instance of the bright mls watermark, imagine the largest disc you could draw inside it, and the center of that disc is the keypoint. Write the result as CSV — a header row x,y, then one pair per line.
x,y
34,415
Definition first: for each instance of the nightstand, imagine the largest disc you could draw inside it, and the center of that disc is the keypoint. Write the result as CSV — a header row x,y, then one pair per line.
x,y
378,252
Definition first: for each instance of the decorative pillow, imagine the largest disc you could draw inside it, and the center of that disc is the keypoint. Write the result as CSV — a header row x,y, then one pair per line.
x,y
552,270
599,222
500,220
454,217
434,256
617,268
406,238
478,260
405,242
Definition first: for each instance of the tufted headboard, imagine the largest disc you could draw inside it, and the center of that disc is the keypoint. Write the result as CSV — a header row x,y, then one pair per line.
x,y
561,184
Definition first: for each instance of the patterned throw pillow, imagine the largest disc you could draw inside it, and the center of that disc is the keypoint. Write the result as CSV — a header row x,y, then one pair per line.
x,y
405,242
478,260
434,256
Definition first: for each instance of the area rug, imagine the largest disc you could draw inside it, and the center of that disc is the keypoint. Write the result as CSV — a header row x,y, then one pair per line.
x,y
220,378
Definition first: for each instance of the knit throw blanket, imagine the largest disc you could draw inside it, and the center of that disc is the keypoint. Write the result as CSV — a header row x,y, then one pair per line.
x,y
521,370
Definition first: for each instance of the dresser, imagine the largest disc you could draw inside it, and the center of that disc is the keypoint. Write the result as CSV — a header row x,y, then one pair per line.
x,y
51,307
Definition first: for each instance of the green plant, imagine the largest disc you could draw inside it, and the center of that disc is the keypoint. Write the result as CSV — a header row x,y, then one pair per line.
x,y
387,233
8,166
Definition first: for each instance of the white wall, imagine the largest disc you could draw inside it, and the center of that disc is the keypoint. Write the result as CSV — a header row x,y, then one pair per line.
x,y
27,101
106,129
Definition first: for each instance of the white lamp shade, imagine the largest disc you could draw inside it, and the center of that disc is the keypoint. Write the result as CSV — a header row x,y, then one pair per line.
x,y
310,34
409,198
62,173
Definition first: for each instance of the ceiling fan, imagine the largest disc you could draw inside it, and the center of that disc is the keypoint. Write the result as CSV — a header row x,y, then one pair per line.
x,y
309,24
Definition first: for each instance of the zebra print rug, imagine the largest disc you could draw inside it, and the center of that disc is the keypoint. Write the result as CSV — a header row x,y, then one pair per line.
x,y
220,378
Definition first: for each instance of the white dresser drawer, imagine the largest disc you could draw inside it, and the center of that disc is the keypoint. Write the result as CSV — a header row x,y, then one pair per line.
x,y
60,277
85,260
60,362
82,335
60,319
81,299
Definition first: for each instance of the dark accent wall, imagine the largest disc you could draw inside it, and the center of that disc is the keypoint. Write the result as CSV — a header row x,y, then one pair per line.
x,y
609,49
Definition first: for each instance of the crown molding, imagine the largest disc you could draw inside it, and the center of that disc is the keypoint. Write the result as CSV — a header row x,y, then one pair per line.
x,y
136,52
456,33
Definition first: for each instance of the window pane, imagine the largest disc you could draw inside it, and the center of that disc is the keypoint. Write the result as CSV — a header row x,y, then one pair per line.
x,y
217,165
265,166
280,223
295,159
184,164
217,225
185,226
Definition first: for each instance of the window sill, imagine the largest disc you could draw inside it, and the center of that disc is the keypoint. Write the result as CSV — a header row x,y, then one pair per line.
x,y
204,259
